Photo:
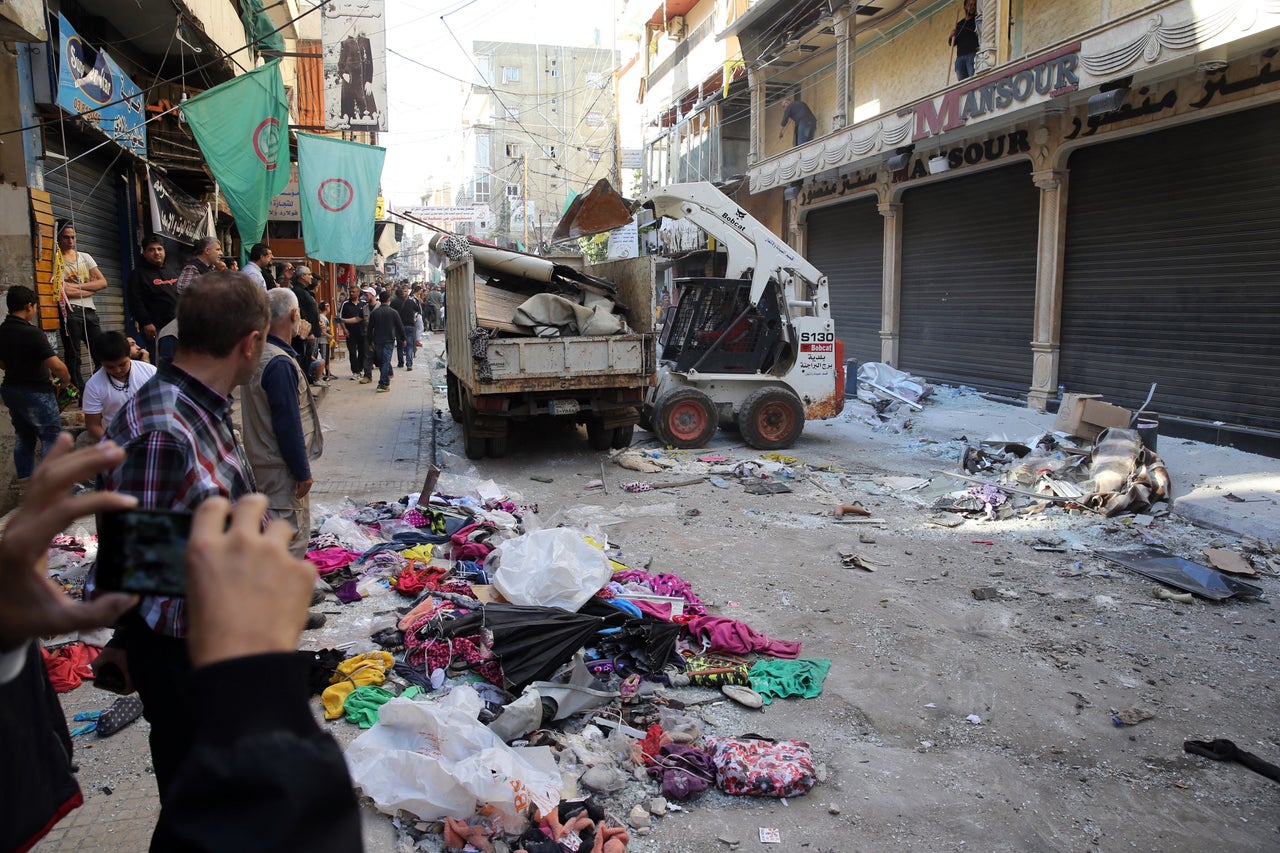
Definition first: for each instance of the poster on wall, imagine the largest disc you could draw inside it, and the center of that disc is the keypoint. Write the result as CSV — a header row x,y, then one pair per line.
x,y
92,86
175,214
355,65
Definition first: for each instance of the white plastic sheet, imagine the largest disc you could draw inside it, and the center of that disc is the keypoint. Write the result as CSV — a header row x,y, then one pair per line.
x,y
555,567
436,760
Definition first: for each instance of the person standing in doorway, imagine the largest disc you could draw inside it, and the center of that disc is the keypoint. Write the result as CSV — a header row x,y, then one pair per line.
x,y
798,112
28,362
965,39
81,278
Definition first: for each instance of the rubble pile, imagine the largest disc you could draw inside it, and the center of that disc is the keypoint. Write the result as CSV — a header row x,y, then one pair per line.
x,y
525,686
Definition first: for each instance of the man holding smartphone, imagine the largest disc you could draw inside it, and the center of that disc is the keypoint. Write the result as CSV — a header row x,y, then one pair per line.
x,y
180,450
256,770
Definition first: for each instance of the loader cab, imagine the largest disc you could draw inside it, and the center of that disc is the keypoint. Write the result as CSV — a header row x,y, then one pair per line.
x,y
713,328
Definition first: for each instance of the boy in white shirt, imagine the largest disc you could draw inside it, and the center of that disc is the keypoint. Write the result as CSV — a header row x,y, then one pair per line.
x,y
115,383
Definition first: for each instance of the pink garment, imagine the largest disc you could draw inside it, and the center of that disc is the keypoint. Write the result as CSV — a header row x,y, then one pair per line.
x,y
730,635
328,560
657,609
468,542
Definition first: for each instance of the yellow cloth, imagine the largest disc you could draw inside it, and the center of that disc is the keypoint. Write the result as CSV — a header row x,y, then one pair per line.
x,y
361,670
614,565
418,552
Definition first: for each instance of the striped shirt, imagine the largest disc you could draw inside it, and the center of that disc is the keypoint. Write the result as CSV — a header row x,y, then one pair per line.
x,y
179,449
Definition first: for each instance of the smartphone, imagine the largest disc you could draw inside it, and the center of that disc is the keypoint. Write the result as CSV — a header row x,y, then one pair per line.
x,y
143,551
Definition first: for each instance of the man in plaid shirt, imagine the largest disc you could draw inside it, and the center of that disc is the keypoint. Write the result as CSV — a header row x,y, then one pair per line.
x,y
180,450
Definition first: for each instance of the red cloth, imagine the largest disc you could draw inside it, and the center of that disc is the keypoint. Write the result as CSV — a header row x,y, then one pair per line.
x,y
413,580
69,666
730,635
656,609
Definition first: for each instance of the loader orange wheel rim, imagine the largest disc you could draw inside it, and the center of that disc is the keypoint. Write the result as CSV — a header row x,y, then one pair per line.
x,y
687,420
775,420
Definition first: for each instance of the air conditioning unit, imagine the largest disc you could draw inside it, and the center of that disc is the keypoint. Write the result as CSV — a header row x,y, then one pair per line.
x,y
675,28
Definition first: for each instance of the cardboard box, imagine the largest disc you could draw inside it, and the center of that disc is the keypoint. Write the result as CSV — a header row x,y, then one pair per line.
x,y
1086,416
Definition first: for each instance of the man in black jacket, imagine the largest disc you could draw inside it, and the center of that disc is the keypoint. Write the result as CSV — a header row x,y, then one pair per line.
x,y
248,602
153,292
386,329
303,286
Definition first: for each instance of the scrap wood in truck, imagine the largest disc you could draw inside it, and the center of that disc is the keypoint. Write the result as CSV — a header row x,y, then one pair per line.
x,y
1087,415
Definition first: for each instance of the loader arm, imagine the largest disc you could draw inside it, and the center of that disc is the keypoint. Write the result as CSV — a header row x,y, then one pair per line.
x,y
750,246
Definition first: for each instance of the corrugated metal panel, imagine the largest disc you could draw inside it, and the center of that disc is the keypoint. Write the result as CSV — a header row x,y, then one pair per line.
x,y
310,84
94,201
846,243
969,279
1173,270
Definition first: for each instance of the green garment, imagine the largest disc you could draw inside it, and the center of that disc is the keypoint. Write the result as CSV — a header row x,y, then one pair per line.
x,y
782,678
364,702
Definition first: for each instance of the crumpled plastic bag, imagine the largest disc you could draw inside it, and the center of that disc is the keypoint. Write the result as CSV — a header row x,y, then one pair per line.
x,y
549,568
351,535
437,760
903,384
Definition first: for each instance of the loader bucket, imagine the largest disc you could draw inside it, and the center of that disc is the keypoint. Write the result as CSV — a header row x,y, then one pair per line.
x,y
599,209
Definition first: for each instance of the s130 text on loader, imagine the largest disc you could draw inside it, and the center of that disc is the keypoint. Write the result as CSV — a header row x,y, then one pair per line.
x,y
756,348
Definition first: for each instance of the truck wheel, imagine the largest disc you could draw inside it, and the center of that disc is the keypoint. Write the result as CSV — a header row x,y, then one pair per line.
x,y
622,437
771,419
646,419
685,418
498,447
472,443
454,397
597,436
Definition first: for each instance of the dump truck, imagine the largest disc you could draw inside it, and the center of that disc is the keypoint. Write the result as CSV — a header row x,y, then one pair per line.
x,y
502,375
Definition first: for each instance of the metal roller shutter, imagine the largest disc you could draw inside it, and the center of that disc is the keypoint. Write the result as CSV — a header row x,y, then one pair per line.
x,y
1173,270
846,243
969,280
94,201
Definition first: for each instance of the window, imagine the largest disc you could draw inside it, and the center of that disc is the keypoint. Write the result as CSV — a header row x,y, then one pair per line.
x,y
513,149
480,189
513,191
593,153
513,114
554,70
549,151
510,74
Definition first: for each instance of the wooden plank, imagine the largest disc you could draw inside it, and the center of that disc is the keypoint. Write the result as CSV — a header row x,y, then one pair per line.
x,y
495,308
43,244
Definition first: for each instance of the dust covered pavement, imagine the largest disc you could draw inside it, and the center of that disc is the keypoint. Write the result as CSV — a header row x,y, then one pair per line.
x,y
1069,640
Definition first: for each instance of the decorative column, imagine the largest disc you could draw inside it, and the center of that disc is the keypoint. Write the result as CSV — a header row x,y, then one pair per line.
x,y
1050,248
842,109
891,282
755,84
988,36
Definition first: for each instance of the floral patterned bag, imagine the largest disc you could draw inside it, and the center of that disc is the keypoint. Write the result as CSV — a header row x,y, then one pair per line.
x,y
757,767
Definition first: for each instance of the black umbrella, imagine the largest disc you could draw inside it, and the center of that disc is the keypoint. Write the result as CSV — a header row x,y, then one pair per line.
x,y
531,642
649,641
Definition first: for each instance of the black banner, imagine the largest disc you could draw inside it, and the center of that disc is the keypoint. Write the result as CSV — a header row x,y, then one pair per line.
x,y
175,214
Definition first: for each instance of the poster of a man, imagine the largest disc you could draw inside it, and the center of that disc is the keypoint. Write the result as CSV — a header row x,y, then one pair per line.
x,y
355,65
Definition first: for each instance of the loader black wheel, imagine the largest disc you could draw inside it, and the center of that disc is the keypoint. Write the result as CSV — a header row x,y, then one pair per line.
x,y
646,419
684,418
454,397
771,419
597,436
622,437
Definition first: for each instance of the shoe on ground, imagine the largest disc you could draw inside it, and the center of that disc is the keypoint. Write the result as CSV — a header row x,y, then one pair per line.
x,y
365,380
383,389
314,620
410,367
353,378
317,596
744,696
122,712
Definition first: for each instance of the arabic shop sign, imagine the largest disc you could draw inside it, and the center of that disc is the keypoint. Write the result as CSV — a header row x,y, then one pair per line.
x,y
847,184
1029,82
92,86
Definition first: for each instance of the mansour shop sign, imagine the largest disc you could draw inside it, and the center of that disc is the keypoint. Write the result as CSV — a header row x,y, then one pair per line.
x,y
92,86
1028,82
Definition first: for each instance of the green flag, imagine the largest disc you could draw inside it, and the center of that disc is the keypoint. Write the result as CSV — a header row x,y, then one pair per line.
x,y
338,184
242,128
